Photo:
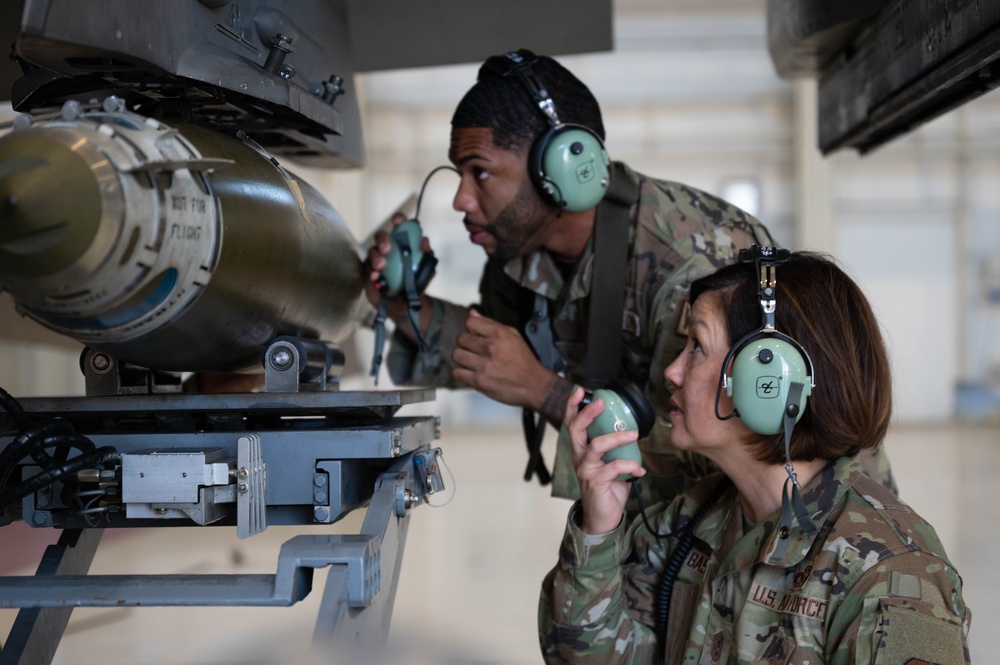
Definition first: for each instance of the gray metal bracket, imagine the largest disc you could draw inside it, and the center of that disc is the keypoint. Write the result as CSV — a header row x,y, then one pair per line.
x,y
357,600
31,637
251,487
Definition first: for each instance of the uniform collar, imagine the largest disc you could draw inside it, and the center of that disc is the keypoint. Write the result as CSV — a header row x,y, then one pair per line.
x,y
723,525
540,272
712,529
822,495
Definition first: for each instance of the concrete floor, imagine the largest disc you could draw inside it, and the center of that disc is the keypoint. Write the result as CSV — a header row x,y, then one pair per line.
x,y
471,569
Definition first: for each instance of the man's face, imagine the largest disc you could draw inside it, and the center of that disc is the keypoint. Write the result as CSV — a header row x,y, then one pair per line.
x,y
503,211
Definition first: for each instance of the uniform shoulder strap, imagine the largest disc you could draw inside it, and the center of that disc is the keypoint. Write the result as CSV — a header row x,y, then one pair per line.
x,y
609,277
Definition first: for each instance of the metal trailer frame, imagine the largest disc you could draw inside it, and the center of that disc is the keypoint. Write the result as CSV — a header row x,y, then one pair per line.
x,y
312,477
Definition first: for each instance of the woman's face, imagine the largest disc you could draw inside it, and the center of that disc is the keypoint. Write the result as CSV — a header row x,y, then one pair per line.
x,y
695,373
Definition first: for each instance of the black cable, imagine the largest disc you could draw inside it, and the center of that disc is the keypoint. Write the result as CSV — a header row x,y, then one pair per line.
x,y
62,442
637,495
420,198
664,591
14,408
34,439
35,447
46,478
642,512
534,433
18,448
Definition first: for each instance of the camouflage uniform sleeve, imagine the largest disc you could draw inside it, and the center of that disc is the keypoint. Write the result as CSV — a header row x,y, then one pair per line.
x,y
910,611
408,366
583,613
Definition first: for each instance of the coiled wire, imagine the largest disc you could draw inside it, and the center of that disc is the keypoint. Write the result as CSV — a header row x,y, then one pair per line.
x,y
35,439
685,541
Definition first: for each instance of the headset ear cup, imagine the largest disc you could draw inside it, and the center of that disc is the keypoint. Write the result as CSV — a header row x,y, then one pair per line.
x,y
762,374
570,166
642,409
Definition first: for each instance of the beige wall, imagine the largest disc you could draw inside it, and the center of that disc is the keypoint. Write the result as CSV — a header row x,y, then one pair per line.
x,y
690,94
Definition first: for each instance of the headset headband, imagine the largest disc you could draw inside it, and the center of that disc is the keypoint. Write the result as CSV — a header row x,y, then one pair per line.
x,y
765,260
520,64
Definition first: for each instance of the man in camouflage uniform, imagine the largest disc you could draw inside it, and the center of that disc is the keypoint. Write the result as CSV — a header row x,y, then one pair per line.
x,y
676,233
872,586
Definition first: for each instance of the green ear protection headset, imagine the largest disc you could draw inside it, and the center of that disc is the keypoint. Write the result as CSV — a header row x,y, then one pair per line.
x,y
568,163
766,363
772,378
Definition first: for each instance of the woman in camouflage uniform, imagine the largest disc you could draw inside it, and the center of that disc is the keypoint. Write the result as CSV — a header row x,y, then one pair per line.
x,y
852,576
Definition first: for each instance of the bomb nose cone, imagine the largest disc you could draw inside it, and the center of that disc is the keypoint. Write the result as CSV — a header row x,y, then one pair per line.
x,y
50,205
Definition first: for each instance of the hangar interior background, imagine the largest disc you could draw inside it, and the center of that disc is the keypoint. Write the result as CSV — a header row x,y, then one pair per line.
x,y
689,93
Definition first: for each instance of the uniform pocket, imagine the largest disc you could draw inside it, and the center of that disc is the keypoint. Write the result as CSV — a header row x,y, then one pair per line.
x,y
683,603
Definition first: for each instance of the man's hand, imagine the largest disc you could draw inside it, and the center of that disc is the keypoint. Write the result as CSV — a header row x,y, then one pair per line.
x,y
375,264
495,360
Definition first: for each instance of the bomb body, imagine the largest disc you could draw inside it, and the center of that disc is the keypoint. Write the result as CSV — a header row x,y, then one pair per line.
x,y
169,246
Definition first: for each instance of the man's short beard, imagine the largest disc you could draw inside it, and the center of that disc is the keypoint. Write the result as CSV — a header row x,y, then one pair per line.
x,y
518,223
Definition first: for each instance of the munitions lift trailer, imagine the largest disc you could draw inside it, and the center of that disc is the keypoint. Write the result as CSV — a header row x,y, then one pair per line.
x,y
298,453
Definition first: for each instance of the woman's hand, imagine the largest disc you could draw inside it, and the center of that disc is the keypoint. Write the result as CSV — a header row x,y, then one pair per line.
x,y
602,494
